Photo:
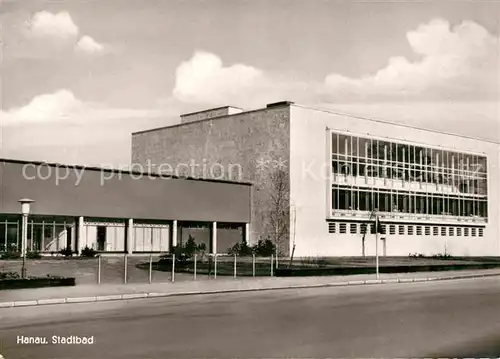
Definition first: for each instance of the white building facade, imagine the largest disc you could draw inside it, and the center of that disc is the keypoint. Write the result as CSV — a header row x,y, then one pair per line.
x,y
434,193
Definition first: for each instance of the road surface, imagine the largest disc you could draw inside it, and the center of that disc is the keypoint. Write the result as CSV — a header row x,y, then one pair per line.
x,y
458,318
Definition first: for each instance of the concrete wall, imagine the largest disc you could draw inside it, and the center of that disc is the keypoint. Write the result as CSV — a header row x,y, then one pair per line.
x,y
309,185
242,147
100,194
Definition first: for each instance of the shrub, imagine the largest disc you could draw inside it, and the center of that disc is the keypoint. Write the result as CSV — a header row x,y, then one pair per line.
x,y
67,252
88,252
264,248
9,275
185,252
240,249
33,255
10,255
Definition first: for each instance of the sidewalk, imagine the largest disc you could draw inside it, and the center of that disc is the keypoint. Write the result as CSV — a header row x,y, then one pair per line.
x,y
106,292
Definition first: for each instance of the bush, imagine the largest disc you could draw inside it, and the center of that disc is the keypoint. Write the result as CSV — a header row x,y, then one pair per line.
x,y
33,255
9,275
442,256
186,252
264,248
88,252
67,252
10,255
241,249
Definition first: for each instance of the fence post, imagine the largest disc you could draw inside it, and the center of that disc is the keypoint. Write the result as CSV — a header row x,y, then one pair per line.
x,y
173,267
195,258
150,268
253,264
272,264
99,269
126,266
234,266
215,266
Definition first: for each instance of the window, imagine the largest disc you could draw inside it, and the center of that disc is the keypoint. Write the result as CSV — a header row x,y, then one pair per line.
x,y
435,231
466,231
363,228
401,230
410,230
392,229
473,232
480,232
332,227
427,230
443,231
459,231
451,231
354,228
419,230
343,228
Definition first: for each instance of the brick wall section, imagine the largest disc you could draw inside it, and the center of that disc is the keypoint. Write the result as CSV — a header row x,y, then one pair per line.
x,y
228,147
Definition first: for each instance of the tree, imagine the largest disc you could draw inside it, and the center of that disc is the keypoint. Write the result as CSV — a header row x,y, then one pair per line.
x,y
279,209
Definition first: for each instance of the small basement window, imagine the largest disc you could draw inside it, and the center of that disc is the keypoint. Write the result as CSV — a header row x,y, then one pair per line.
x,y
410,230
332,227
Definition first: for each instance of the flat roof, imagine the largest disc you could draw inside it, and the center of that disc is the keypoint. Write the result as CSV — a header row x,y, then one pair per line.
x,y
120,171
290,103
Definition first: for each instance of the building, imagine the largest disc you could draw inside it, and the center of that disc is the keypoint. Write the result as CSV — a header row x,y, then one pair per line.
x,y
318,177
115,211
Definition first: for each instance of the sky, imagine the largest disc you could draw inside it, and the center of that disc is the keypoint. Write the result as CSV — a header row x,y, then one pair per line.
x,y
79,76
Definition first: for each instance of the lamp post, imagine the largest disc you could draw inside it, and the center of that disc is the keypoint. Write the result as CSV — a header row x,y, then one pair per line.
x,y
25,211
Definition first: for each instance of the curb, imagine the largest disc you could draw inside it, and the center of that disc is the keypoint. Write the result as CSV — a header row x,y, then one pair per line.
x,y
130,296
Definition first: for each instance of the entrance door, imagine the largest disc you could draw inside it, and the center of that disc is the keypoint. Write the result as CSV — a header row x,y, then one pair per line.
x,y
101,238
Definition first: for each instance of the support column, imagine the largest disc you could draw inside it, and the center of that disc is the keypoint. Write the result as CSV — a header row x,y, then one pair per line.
x,y
129,237
80,236
214,237
174,233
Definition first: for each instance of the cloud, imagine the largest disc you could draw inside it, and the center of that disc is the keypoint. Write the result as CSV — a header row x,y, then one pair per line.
x,y
454,62
45,24
458,62
88,45
57,105
63,107
58,31
204,79
59,127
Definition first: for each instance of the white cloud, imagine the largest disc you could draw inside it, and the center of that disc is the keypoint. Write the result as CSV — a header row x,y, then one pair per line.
x,y
46,24
59,127
59,31
455,62
63,107
458,62
88,45
203,79
57,105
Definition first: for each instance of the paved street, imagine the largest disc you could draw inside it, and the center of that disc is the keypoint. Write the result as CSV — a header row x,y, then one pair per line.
x,y
447,319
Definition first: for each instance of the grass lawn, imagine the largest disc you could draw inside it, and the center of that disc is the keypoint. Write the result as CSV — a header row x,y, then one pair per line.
x,y
244,266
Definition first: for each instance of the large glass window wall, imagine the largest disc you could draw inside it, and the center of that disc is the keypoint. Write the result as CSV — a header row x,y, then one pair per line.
x,y
418,203
359,156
